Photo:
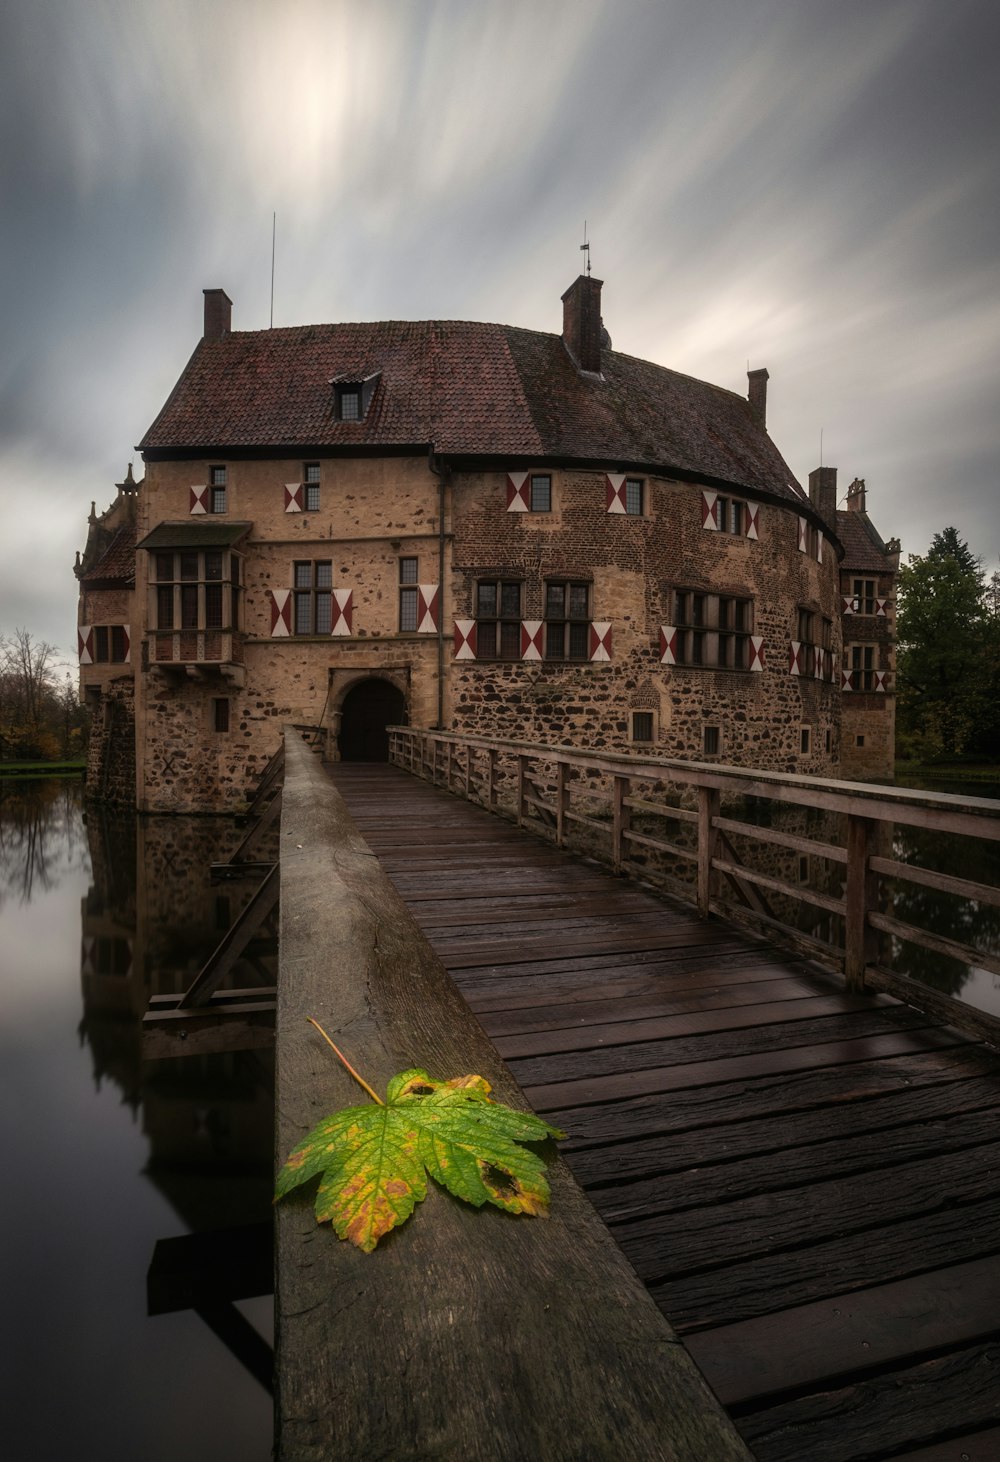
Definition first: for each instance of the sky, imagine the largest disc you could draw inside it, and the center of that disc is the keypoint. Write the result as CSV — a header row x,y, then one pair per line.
x,y
806,185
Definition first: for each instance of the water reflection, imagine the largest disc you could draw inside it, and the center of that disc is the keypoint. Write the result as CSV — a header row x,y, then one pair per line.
x,y
115,1153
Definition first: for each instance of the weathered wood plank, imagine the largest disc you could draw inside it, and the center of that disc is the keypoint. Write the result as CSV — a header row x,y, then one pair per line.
x,y
981,1446
919,1403
816,1343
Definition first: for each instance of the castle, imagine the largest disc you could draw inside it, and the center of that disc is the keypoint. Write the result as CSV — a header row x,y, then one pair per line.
x,y
492,529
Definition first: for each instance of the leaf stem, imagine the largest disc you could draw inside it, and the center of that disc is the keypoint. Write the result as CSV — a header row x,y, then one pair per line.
x,y
343,1059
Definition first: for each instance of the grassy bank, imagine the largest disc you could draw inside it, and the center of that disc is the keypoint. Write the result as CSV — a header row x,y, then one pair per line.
x,y
952,771
42,768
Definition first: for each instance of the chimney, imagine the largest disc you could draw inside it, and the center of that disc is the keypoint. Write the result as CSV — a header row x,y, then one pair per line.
x,y
757,394
856,496
582,323
823,493
218,314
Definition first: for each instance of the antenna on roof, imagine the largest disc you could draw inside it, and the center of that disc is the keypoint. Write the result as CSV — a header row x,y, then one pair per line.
x,y
585,246
274,227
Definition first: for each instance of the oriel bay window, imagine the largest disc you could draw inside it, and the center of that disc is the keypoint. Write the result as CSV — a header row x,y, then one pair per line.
x,y
712,630
498,619
194,601
567,620
313,588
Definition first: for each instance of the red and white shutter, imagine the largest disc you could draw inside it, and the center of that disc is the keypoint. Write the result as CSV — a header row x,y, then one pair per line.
x,y
531,639
756,652
881,679
293,497
88,951
615,484
281,613
342,607
880,607
668,644
752,519
709,510
795,658
848,605
819,546
199,500
127,635
803,535
600,641
517,492
85,643
465,639
847,679
427,608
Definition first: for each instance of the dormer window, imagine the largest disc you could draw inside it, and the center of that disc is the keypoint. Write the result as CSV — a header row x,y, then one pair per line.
x,y
353,397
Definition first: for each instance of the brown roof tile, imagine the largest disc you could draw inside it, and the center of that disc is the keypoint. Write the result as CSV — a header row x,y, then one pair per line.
x,y
467,390
863,548
117,563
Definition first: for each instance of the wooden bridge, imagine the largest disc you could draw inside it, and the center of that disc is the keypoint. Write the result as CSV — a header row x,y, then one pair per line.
x,y
803,1176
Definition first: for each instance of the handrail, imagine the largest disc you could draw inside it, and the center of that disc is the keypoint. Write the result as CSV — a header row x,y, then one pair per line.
x,y
823,886
468,1333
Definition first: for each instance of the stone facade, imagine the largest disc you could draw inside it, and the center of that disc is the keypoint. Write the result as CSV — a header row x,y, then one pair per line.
x,y
477,528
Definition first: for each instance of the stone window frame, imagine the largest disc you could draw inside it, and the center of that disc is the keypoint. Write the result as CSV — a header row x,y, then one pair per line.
x,y
570,625
634,497
110,644
221,715
805,740
863,601
506,625
218,485
865,672
814,649
732,516
310,487
409,593
539,478
312,597
711,741
713,631
653,726
192,597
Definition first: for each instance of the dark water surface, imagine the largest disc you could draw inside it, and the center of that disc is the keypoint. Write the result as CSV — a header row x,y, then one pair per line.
x,y
105,1154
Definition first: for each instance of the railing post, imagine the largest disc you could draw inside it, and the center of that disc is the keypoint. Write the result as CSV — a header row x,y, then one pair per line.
x,y
522,782
618,812
860,939
491,781
708,808
562,802
468,773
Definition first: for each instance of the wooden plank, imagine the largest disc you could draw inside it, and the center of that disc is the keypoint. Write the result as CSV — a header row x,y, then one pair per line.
x,y
962,888
692,1238
871,1327
877,1415
953,948
549,1095
776,1038
982,1023
981,1446
764,1283
718,1178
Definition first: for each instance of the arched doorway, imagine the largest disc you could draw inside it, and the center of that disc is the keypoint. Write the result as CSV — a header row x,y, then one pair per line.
x,y
367,710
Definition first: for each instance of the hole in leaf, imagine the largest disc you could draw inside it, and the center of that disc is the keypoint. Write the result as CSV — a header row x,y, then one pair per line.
x,y
505,1183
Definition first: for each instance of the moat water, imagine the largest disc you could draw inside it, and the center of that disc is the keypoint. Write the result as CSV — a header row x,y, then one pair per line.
x,y
105,1153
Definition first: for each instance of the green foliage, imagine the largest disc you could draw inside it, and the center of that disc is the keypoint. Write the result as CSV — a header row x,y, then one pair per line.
x,y
373,1161
948,656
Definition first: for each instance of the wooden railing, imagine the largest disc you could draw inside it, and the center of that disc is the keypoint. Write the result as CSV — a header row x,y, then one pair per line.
x,y
810,862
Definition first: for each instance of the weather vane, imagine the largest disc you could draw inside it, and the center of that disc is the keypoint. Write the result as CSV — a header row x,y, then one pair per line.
x,y
585,246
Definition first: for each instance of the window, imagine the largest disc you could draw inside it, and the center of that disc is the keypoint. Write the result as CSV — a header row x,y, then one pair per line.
x,y
567,621
642,726
860,661
498,619
540,493
731,515
864,596
220,712
313,587
712,630
805,740
109,644
349,403
815,634
408,605
195,590
310,487
217,489
634,496
810,539
829,740
710,740
859,741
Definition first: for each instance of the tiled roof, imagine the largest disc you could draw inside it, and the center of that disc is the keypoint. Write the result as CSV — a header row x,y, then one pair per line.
x,y
117,562
467,390
195,535
863,548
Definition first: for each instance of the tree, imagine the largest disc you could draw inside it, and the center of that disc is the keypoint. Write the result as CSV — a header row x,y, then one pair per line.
x,y
948,656
35,719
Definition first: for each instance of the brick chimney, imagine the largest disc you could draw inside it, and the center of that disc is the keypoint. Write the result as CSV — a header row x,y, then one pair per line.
x,y
856,496
757,394
582,322
218,314
823,493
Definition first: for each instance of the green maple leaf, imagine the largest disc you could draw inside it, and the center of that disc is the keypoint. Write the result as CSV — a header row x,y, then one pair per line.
x,y
373,1161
